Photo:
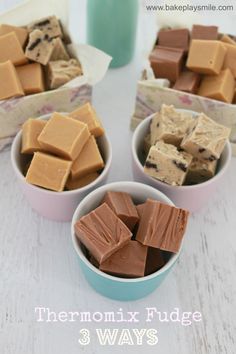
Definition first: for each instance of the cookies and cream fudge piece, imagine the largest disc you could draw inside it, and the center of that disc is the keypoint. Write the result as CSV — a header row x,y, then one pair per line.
x,y
170,125
10,49
49,25
75,183
167,164
64,136
40,47
206,139
200,171
87,114
31,78
10,84
21,33
59,51
48,171
61,71
147,144
30,132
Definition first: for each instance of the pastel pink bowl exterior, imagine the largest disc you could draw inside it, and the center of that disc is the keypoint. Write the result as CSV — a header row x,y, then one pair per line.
x,y
58,206
193,197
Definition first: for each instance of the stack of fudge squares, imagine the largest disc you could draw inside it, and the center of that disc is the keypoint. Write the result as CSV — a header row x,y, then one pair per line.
x,y
200,61
62,153
34,58
181,149
128,240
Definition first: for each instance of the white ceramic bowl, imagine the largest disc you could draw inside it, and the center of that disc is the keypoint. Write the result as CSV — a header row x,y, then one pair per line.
x,y
189,197
58,206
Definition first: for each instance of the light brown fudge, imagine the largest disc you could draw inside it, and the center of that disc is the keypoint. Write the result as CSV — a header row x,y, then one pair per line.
x,y
10,49
10,83
230,58
207,139
31,78
39,48
61,71
50,26
200,171
59,51
30,132
48,171
167,164
227,39
21,33
75,183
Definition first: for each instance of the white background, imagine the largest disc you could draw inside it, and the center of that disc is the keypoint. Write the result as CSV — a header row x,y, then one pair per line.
x,y
38,266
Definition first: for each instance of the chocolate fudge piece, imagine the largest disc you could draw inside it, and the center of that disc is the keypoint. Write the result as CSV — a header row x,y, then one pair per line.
x,y
30,131
10,83
170,125
155,260
50,26
140,208
188,81
174,38
162,226
219,87
204,32
207,139
122,205
102,232
211,61
167,62
61,71
167,164
128,262
40,47
200,171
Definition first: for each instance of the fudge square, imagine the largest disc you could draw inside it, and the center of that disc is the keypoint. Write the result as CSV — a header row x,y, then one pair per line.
x,y
162,226
167,164
188,81
64,136
10,83
174,38
204,32
170,125
50,26
211,61
31,78
10,49
21,33
207,139
200,171
102,232
128,262
39,48
48,171
81,181
30,132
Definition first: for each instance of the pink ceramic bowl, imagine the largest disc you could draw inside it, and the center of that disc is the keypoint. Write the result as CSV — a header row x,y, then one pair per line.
x,y
189,197
58,206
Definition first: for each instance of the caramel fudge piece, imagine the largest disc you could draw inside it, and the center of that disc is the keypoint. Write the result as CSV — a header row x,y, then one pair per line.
x,y
167,164
21,33
207,139
59,51
174,38
204,32
128,262
10,83
60,72
64,136
40,47
155,260
219,87
162,226
89,159
87,114
211,61
167,62
31,78
170,125
10,49
227,39
75,183
188,81
30,132
200,171
102,232
48,171
50,26
230,58
122,205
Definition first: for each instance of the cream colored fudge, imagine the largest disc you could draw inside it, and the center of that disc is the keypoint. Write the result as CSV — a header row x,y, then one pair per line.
x,y
10,49
167,164
48,171
30,131
60,72
31,78
21,33
10,84
39,48
88,161
50,26
59,51
170,125
64,136
206,56
75,183
207,139
200,171
87,114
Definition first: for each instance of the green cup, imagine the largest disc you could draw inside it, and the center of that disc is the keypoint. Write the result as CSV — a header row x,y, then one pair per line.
x,y
112,27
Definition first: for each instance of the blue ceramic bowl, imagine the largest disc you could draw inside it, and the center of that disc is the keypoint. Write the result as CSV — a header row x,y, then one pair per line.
x,y
108,285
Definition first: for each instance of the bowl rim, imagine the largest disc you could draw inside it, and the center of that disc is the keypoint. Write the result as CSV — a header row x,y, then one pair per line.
x,y
81,255
143,124
20,175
